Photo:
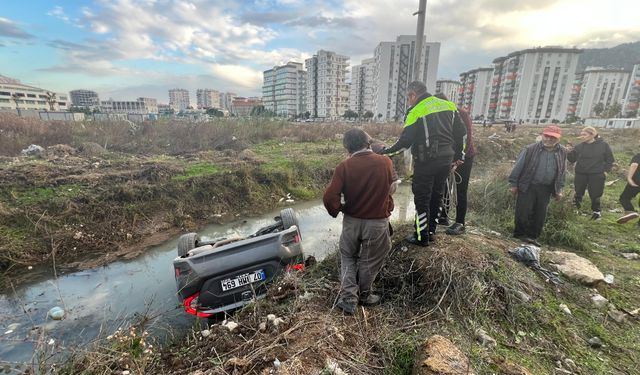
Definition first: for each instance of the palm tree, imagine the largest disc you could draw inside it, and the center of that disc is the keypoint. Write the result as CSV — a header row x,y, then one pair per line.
x,y
15,97
51,99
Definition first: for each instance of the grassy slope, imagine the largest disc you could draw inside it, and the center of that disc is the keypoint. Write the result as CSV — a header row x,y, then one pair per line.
x,y
453,288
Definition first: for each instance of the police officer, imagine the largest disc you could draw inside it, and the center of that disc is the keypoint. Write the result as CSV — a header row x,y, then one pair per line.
x,y
434,131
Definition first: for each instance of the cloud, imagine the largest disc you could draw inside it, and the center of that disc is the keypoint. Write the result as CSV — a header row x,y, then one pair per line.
x,y
239,75
9,29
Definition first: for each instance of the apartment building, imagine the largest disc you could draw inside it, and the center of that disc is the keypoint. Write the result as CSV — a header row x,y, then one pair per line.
x,y
150,103
450,88
361,95
138,107
533,85
327,91
179,99
475,92
284,89
208,98
84,98
227,99
632,99
242,107
601,85
15,96
394,70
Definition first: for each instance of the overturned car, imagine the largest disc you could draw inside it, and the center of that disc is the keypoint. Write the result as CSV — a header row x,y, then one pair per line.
x,y
223,274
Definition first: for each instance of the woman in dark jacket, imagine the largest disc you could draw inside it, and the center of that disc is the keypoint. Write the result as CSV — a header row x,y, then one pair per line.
x,y
593,157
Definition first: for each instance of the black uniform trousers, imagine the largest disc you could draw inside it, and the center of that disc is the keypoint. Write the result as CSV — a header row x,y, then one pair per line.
x,y
427,187
462,186
594,183
627,195
531,211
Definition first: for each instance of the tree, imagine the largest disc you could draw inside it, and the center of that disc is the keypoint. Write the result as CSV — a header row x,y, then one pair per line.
x,y
215,112
368,115
307,114
75,109
379,116
598,109
260,110
612,110
15,98
349,114
51,98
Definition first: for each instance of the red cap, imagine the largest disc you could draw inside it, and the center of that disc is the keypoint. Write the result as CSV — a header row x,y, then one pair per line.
x,y
552,131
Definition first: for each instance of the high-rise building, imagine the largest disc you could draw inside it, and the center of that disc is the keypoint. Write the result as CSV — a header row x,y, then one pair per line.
x,y
601,85
284,89
475,91
394,71
361,97
327,90
632,99
84,98
16,96
227,100
179,99
208,98
533,85
450,88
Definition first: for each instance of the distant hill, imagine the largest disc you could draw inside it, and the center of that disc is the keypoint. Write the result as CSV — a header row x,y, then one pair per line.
x,y
622,56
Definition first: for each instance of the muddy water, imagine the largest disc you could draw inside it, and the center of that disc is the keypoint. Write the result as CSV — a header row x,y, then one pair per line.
x,y
100,300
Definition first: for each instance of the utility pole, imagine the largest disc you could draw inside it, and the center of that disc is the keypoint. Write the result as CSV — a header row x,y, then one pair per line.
x,y
422,12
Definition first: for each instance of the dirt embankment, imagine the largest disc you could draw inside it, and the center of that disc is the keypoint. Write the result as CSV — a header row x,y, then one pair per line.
x,y
484,312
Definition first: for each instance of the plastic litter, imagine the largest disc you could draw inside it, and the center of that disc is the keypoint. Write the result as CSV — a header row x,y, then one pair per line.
x,y
530,256
56,313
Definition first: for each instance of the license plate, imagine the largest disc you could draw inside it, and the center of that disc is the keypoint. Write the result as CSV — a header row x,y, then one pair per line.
x,y
240,280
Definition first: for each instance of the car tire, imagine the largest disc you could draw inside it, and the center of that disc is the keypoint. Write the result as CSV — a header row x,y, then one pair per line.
x,y
187,242
288,218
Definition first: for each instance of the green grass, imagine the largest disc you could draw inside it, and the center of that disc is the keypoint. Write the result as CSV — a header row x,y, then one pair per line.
x,y
43,194
198,170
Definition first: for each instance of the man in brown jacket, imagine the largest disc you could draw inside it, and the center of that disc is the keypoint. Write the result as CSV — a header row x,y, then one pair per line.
x,y
364,181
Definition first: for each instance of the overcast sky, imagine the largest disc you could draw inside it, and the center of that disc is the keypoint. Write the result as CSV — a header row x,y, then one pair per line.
x,y
129,48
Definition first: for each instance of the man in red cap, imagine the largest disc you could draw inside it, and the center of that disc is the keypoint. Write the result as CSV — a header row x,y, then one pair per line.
x,y
538,174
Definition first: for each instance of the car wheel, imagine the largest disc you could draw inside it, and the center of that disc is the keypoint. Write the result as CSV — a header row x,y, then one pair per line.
x,y
187,242
288,218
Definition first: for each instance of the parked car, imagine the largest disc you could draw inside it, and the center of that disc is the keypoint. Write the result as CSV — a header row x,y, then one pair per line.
x,y
227,273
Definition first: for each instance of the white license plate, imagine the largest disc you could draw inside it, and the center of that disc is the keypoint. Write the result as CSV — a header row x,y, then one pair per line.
x,y
240,280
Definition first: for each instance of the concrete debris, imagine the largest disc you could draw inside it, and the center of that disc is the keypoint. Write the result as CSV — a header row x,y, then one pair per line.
x,y
609,279
230,325
484,339
205,333
565,309
439,356
262,327
575,267
599,301
522,296
306,296
595,342
630,256
617,315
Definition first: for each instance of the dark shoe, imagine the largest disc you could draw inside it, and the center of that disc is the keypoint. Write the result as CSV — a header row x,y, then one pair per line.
x,y
533,241
414,241
370,300
443,221
455,229
348,308
628,216
596,215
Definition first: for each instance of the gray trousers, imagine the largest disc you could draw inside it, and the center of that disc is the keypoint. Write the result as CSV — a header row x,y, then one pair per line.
x,y
364,244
